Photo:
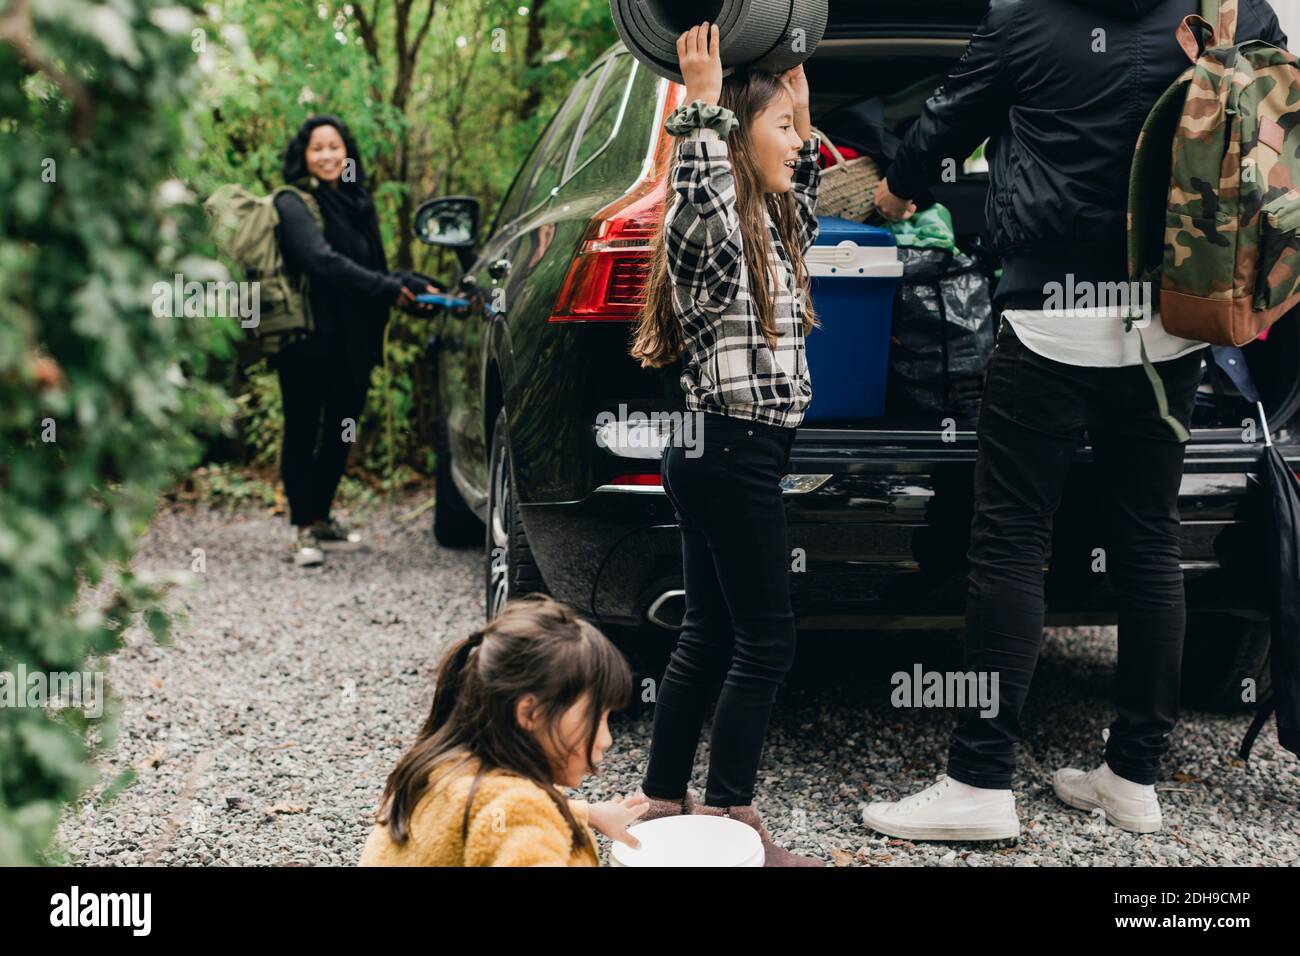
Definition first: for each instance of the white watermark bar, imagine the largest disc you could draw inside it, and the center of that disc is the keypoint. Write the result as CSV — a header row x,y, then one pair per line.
x,y
198,300
636,434
947,690
56,690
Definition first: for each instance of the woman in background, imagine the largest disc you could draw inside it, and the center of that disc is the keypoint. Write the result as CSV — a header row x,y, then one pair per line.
x,y
324,375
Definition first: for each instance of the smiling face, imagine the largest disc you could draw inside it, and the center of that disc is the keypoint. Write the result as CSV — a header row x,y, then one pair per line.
x,y
775,144
326,153
565,743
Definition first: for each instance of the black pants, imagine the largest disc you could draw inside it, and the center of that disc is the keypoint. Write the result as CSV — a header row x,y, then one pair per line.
x,y
738,629
1035,412
319,393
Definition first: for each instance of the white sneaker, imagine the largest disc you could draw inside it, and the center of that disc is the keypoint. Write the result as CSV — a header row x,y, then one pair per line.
x,y
1128,805
306,550
948,810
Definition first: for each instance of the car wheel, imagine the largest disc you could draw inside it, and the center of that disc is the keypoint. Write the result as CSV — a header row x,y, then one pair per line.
x,y
1220,652
454,524
511,571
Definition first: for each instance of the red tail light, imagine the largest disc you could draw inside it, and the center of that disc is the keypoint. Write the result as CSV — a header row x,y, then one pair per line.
x,y
607,280
637,479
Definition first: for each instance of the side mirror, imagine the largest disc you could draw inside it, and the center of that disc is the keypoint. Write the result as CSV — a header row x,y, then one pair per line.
x,y
448,221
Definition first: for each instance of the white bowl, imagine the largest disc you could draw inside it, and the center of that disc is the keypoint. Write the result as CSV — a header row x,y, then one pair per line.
x,y
691,840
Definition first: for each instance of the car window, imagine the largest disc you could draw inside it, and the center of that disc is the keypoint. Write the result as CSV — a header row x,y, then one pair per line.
x,y
519,198
550,164
624,156
514,201
606,110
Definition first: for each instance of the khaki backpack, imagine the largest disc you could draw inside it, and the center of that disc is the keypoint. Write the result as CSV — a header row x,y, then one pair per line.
x,y
1214,190
245,229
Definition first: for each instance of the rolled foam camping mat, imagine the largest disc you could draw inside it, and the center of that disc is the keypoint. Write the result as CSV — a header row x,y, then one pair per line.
x,y
761,34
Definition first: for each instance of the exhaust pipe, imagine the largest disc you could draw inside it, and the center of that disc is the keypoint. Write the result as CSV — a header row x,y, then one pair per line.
x,y
667,610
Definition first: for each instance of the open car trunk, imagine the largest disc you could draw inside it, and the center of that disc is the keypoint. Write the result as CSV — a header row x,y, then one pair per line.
x,y
864,61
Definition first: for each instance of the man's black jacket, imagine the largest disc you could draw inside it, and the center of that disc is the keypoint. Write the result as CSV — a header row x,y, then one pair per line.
x,y
1060,88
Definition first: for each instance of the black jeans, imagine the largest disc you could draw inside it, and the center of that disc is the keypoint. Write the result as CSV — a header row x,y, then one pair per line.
x,y
319,392
1035,412
738,628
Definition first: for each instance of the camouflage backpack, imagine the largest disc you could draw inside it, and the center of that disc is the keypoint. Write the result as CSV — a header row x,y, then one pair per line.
x,y
244,227
1214,190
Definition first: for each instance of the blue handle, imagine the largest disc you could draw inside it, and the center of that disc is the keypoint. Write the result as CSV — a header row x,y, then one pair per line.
x,y
447,301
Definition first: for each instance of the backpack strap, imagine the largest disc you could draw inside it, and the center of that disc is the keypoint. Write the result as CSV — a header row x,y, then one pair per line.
x,y
308,200
1261,718
1222,16
1215,26
313,207
1157,387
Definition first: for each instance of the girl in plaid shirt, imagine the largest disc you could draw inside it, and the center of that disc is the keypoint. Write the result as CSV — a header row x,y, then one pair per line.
x,y
728,295
729,289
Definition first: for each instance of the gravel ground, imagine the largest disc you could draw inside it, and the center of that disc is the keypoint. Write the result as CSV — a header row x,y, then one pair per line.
x,y
264,732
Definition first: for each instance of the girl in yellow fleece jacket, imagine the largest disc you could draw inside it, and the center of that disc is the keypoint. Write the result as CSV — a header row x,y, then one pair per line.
x,y
520,709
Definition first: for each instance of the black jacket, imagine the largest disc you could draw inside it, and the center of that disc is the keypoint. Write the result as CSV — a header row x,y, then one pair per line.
x,y
1062,122
351,290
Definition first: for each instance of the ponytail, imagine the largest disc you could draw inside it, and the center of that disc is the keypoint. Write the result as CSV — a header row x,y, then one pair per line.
x,y
453,673
410,778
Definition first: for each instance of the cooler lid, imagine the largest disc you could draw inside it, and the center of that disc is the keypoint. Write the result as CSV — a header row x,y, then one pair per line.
x,y
833,230
850,261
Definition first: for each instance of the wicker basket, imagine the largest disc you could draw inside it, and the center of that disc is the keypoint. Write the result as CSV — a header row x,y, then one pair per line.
x,y
848,188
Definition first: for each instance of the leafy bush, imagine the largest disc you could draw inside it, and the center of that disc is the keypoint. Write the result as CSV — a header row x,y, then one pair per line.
x,y
100,396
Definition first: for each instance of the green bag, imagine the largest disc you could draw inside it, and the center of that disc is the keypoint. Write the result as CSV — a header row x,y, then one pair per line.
x,y
929,229
245,229
1214,189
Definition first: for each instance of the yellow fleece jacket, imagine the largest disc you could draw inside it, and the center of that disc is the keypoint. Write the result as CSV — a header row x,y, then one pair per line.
x,y
511,823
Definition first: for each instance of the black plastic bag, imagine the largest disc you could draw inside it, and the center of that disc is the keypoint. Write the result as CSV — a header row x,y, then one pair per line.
x,y
943,335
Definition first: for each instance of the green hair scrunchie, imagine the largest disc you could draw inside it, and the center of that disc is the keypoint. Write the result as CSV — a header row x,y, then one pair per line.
x,y
699,115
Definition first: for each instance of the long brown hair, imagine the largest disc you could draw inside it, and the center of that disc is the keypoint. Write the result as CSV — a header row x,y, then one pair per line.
x,y
537,646
658,340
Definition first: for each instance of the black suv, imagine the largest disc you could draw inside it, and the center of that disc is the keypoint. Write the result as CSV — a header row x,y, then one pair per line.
x,y
530,373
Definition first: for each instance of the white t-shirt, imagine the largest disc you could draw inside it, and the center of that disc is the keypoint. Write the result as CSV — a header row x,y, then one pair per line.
x,y
1095,337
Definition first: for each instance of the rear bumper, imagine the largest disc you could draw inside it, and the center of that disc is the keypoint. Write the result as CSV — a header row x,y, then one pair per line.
x,y
884,529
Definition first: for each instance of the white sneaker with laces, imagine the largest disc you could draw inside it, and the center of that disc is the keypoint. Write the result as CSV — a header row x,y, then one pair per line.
x,y
948,810
1128,805
306,550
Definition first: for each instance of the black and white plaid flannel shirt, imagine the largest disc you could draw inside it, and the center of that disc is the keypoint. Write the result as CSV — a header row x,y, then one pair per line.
x,y
729,367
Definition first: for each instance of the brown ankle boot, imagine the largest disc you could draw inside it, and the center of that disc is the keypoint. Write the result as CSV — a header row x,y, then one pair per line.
x,y
667,808
773,855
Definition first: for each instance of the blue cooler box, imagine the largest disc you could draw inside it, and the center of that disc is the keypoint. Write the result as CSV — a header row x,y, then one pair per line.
x,y
854,271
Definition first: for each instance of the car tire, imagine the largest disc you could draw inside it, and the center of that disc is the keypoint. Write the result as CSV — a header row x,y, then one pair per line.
x,y
510,571
454,523
1219,652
